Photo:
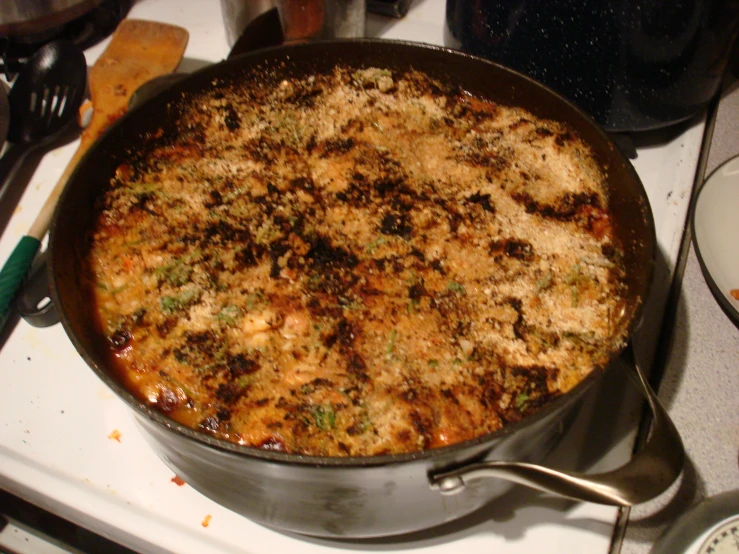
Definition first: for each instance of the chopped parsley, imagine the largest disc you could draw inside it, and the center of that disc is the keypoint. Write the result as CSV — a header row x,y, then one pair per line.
x,y
171,304
521,401
391,342
324,416
229,314
455,287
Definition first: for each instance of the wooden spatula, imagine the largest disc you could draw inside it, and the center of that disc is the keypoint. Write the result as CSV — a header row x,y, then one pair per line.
x,y
138,52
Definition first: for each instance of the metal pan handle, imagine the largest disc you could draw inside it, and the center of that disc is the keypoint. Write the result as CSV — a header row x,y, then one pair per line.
x,y
649,473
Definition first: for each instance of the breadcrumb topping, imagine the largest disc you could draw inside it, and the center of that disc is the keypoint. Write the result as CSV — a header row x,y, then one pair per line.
x,y
355,264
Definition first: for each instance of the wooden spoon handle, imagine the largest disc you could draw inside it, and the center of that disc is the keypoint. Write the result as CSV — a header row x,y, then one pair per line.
x,y
14,272
40,225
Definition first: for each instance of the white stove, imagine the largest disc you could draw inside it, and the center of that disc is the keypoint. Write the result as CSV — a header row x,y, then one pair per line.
x,y
68,445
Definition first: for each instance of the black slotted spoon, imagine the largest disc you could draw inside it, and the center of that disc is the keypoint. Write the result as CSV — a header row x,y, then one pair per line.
x,y
44,99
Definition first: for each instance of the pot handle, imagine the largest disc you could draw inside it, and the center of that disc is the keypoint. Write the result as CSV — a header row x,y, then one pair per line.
x,y
649,473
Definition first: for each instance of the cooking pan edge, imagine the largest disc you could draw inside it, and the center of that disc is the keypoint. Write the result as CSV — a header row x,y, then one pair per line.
x,y
374,496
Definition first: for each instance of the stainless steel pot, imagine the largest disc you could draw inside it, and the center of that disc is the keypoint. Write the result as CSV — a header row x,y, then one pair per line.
x,y
21,17
298,19
381,495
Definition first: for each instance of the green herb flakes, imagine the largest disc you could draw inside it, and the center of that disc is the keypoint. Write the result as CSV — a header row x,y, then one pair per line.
x,y
455,287
391,342
521,401
324,416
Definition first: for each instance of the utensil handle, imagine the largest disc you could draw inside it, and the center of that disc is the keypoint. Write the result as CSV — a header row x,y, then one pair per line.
x,y
649,472
9,164
14,273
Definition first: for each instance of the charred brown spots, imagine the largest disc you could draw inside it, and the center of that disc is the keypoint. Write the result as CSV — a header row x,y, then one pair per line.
x,y
220,231
423,424
277,249
229,393
464,106
485,159
201,350
337,147
483,200
303,183
303,94
231,118
517,249
357,366
263,149
397,224
491,389
417,291
566,208
325,255
210,423
519,326
544,132
250,255
145,202
240,364
342,333
120,339
563,138
357,192
167,400
529,389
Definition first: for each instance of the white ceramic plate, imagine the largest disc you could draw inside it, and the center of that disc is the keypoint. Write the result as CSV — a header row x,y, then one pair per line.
x,y
716,234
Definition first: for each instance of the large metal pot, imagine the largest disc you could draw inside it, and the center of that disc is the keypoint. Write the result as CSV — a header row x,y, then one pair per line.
x,y
633,65
20,17
381,495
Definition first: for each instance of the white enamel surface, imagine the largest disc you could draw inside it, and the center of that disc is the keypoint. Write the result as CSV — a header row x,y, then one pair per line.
x,y
56,417
716,222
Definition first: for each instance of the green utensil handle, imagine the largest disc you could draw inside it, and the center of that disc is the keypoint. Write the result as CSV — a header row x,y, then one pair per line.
x,y
14,272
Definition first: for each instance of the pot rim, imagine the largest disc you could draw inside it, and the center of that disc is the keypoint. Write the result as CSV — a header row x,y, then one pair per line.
x,y
445,452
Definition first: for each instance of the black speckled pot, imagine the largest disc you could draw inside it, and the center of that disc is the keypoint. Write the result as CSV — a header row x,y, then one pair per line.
x,y
633,65
356,497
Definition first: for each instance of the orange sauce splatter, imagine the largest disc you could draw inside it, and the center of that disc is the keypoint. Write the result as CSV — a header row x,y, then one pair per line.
x,y
177,480
115,435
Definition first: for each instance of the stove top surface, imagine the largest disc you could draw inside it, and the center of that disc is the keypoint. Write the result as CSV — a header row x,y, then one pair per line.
x,y
69,445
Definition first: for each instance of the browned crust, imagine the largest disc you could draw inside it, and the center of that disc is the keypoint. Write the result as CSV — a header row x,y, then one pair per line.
x,y
355,264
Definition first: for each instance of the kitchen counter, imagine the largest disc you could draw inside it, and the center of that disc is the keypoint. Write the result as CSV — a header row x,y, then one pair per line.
x,y
56,450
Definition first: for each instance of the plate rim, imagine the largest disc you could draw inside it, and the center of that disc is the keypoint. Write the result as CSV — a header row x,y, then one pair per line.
x,y
720,296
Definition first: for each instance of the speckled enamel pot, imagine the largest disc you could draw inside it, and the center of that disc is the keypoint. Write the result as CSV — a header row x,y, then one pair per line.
x,y
632,65
358,497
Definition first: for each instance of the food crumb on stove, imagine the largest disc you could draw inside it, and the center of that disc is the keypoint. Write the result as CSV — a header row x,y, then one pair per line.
x,y
206,521
177,480
734,294
115,435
